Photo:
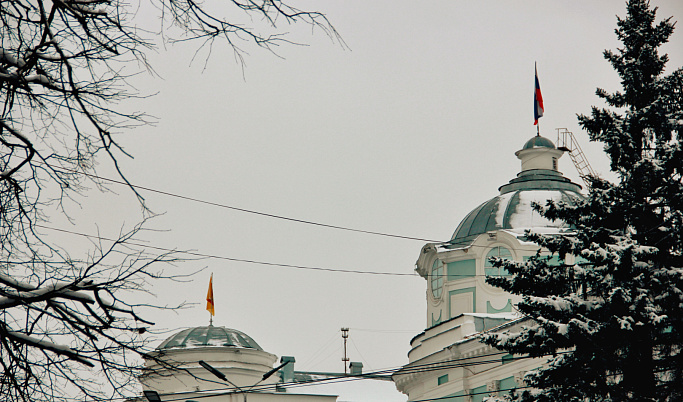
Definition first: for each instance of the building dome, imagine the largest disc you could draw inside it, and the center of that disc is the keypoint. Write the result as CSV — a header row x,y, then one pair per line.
x,y
174,366
209,336
538,182
513,211
538,142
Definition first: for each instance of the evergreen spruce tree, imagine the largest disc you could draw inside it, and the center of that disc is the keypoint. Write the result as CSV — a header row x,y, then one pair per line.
x,y
613,325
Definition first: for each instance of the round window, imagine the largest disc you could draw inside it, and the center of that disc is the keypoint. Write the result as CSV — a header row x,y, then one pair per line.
x,y
437,278
497,252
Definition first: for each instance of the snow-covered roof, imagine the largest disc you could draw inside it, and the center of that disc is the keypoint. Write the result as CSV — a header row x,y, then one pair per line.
x,y
514,212
209,336
512,209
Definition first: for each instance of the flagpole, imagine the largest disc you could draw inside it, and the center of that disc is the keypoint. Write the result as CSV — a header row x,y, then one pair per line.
x,y
538,102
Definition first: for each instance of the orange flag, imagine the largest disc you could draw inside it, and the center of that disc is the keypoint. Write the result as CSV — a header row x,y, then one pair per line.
x,y
209,297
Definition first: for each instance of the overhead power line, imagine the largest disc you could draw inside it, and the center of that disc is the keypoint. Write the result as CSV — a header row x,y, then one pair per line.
x,y
421,368
247,261
220,257
249,211
462,243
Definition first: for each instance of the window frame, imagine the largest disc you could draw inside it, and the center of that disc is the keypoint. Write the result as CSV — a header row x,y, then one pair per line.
x,y
489,269
436,282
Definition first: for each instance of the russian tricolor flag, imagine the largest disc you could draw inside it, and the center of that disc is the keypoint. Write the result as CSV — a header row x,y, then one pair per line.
x,y
538,99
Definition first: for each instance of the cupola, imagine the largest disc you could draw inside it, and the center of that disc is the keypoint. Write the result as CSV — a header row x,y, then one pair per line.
x,y
539,153
537,182
174,366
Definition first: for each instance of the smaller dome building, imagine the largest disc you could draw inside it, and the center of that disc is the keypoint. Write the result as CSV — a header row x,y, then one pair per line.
x,y
174,366
174,372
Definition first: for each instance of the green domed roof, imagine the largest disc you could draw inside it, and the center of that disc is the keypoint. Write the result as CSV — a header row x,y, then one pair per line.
x,y
513,211
538,142
209,336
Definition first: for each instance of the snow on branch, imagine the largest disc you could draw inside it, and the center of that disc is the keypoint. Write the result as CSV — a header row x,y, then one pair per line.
x,y
45,345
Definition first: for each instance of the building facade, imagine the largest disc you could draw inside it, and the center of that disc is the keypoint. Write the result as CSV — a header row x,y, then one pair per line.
x,y
448,360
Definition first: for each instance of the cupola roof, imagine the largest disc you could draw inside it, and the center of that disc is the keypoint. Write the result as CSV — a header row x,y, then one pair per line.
x,y
209,336
512,209
538,142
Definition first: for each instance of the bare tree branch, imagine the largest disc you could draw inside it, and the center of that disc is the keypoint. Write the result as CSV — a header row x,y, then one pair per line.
x,y
63,69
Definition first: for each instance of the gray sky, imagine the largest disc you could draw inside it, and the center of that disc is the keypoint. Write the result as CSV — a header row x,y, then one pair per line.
x,y
404,133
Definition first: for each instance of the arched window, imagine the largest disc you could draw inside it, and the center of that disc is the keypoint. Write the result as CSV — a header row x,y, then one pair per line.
x,y
437,278
497,252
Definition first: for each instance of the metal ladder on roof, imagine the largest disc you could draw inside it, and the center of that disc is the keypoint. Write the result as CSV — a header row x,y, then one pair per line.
x,y
567,142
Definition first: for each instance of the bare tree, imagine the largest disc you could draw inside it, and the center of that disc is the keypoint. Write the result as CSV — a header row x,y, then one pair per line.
x,y
62,65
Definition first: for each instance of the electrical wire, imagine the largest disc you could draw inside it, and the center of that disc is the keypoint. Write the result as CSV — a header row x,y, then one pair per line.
x,y
247,261
219,257
418,368
363,359
311,361
424,368
265,214
249,211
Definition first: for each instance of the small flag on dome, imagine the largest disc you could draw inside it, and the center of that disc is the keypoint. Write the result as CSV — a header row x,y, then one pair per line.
x,y
209,297
538,99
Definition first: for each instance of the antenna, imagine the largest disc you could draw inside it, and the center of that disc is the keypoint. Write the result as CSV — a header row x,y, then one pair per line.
x,y
345,359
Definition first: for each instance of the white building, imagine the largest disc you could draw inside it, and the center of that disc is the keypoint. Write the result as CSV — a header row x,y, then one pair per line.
x,y
447,360
175,373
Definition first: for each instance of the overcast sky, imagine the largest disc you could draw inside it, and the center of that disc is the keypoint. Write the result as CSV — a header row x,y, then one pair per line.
x,y
403,132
